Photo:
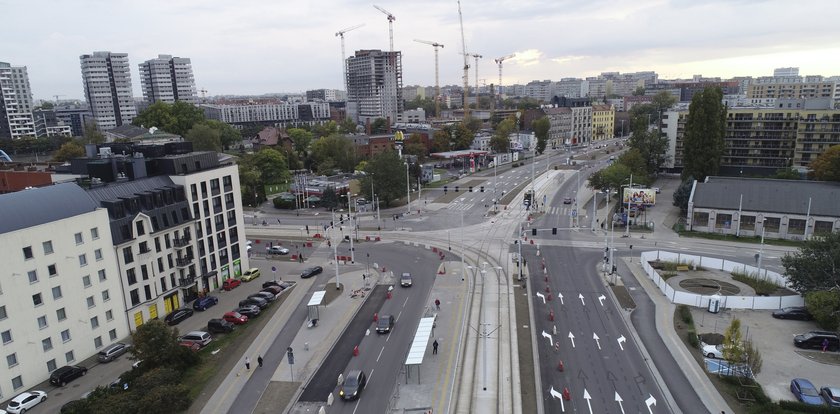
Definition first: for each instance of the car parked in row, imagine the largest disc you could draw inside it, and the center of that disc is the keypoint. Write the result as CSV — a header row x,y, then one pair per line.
x,y
201,304
200,337
25,401
793,312
267,296
831,395
177,316
274,290
258,302
816,339
66,374
230,284
112,352
219,326
250,311
250,274
804,391
235,318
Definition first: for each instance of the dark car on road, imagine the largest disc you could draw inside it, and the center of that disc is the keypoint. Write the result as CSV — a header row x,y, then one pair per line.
x,y
249,310
815,340
272,283
201,304
311,271
219,326
258,302
112,352
793,312
405,280
353,385
66,374
385,324
177,316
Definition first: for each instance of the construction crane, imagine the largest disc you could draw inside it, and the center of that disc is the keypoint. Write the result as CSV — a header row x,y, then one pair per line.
x,y
477,57
499,62
436,45
391,19
466,64
340,34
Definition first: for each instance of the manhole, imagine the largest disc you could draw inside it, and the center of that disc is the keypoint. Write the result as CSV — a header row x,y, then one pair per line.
x,y
710,287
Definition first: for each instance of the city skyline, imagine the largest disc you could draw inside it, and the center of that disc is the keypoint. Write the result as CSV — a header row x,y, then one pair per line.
x,y
272,48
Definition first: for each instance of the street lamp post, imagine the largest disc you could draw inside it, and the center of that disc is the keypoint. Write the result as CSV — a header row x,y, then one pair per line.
x,y
629,200
407,191
352,226
761,249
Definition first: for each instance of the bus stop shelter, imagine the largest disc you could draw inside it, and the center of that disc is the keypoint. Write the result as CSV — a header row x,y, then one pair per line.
x,y
313,306
425,330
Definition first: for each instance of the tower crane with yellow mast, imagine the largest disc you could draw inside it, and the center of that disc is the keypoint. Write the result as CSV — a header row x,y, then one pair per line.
x,y
340,34
436,45
391,19
499,62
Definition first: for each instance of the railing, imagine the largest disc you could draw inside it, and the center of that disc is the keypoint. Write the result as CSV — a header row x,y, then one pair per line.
x,y
186,281
183,261
182,242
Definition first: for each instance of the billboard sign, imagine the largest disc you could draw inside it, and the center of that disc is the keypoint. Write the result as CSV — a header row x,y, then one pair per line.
x,y
636,196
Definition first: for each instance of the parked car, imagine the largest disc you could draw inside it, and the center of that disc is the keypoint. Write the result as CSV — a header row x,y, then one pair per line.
x,y
200,337
178,315
272,283
712,351
235,318
804,391
201,304
286,285
192,346
111,352
250,274
248,310
274,290
385,323
831,395
814,340
277,250
66,374
25,401
405,280
567,200
311,271
258,302
269,297
793,312
230,284
219,326
353,385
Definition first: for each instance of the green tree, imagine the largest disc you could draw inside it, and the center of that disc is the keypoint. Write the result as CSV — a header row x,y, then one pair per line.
x,y
427,104
272,165
441,140
733,343
463,137
500,142
652,146
157,346
824,305
541,127
635,161
826,167
204,138
347,126
473,124
229,135
69,151
334,151
387,172
612,177
682,194
176,118
640,91
704,132
301,139
329,198
379,126
816,266
324,130
92,134
45,105
414,145
787,174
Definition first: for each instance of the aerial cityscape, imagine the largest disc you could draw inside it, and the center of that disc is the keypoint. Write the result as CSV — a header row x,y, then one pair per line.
x,y
344,207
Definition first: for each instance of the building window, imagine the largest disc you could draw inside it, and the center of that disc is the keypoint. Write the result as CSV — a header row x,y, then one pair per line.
x,y
94,322
56,292
3,314
61,314
51,365
772,224
65,336
48,247
98,254
69,357
112,334
723,221
106,296
91,302
796,226
27,252
701,219
79,238
33,276
148,291
747,222
6,336
131,276
37,300
82,260
823,227
135,297
97,342
86,281
102,276
52,270
11,360
157,244
94,233
17,382
47,344
140,229
42,322
109,315
128,257
144,271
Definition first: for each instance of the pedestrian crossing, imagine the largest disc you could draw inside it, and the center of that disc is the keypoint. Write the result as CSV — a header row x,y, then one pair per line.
x,y
460,206
560,211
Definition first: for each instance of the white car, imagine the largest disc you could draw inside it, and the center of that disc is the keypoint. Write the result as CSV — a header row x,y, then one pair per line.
x,y
26,401
712,351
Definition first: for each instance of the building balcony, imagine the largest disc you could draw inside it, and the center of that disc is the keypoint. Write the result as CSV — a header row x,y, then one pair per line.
x,y
186,282
184,261
182,242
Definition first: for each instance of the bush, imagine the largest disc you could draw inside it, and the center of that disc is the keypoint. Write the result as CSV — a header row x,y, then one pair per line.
x,y
798,407
761,286
824,305
685,314
281,203
692,339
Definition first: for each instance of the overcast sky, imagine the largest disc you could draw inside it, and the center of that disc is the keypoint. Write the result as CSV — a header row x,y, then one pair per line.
x,y
256,46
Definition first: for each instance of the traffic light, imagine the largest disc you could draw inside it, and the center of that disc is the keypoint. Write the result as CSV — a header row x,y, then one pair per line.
x,y
533,232
554,230
470,188
482,188
445,189
456,188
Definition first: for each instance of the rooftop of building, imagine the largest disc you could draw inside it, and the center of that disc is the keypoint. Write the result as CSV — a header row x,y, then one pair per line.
x,y
33,207
769,196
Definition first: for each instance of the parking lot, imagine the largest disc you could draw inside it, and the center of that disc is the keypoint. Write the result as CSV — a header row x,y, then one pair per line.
x,y
774,338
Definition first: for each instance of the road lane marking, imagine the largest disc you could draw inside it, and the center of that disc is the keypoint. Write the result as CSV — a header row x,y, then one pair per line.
x,y
381,351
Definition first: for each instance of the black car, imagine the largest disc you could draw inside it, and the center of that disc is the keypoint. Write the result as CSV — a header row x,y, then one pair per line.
x,y
815,339
793,312
66,374
271,283
249,310
353,385
177,316
219,326
258,302
384,324
311,271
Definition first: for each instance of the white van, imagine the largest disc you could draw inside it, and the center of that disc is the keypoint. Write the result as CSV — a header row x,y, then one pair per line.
x,y
199,337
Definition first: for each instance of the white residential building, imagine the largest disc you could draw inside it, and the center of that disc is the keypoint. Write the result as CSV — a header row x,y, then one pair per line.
x,y
60,294
107,84
15,103
374,85
281,114
167,79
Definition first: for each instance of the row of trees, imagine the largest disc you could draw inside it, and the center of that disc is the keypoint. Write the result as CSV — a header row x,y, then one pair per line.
x,y
188,121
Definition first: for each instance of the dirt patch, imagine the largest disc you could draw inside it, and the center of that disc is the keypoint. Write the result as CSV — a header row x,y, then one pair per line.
x,y
332,292
526,355
832,358
276,395
510,195
623,296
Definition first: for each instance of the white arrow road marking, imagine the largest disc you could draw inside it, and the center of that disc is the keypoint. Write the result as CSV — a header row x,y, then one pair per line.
x,y
618,400
597,340
560,295
540,295
571,336
580,295
650,401
621,339
587,397
550,339
556,394
601,299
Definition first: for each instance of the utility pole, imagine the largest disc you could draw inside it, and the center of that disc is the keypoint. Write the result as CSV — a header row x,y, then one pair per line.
x,y
629,200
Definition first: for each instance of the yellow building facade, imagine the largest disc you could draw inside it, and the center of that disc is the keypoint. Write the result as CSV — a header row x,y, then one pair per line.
x,y
603,122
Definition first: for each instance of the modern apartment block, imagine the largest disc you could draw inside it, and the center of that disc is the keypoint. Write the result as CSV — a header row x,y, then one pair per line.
x,y
603,122
60,294
47,124
280,114
15,103
374,85
325,95
76,116
767,90
167,79
107,83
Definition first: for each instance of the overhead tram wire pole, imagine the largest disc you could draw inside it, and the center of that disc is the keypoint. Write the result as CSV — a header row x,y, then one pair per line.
x,y
629,200
407,190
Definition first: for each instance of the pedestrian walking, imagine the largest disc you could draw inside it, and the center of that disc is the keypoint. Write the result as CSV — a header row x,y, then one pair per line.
x,y
259,361
248,363
825,345
434,347
437,304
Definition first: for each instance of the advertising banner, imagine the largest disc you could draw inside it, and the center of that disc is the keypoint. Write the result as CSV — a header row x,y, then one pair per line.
x,y
637,196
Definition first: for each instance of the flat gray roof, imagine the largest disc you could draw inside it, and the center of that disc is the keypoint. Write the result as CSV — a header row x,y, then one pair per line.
x,y
36,206
769,196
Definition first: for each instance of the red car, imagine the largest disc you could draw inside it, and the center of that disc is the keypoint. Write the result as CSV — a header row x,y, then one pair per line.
x,y
235,318
192,346
230,284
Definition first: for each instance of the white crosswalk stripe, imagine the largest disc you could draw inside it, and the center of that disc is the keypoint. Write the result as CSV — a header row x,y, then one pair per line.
x,y
460,206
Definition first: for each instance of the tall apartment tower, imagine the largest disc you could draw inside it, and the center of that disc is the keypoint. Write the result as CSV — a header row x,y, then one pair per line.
x,y
15,103
107,82
374,85
167,79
